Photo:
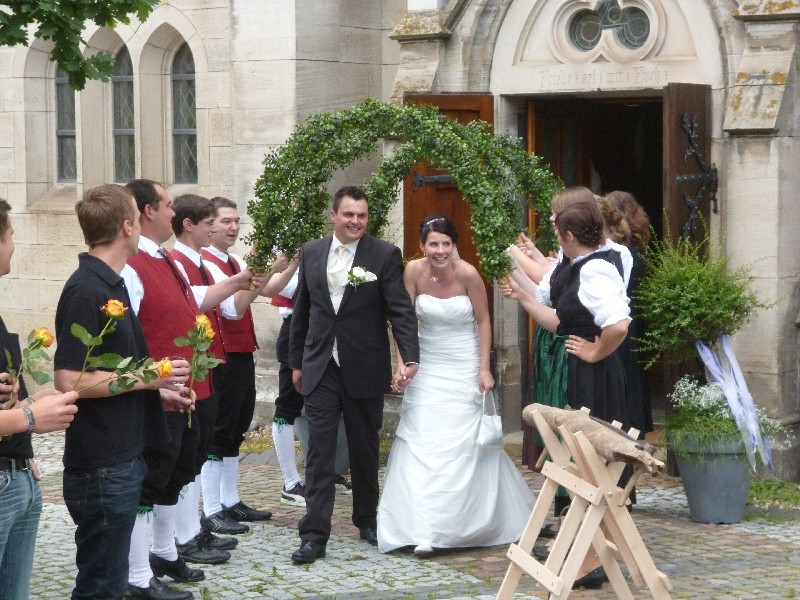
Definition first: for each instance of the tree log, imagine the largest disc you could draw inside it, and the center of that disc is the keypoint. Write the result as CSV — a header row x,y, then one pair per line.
x,y
609,442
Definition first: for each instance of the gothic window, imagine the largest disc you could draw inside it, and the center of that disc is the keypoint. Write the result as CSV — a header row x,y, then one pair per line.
x,y
124,137
66,142
184,117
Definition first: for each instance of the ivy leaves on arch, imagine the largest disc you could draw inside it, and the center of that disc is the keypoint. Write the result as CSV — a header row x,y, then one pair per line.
x,y
493,172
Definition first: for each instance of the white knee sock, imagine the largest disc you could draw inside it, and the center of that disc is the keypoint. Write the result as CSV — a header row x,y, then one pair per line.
x,y
164,532
187,516
229,490
139,572
211,482
283,436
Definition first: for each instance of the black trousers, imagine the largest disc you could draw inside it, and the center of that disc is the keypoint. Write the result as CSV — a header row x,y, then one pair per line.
x,y
171,465
235,385
363,418
289,403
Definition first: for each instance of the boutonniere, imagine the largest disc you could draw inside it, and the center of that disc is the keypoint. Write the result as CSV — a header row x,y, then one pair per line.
x,y
356,276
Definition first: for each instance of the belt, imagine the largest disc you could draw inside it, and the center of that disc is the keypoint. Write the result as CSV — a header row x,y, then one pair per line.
x,y
9,464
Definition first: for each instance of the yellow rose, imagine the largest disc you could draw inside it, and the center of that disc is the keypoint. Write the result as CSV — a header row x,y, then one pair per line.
x,y
114,309
43,336
204,322
164,368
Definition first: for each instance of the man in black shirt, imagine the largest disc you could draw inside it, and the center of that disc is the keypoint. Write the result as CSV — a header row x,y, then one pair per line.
x,y
103,467
21,500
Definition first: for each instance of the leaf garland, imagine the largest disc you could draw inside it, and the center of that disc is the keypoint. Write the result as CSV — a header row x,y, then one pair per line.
x,y
494,173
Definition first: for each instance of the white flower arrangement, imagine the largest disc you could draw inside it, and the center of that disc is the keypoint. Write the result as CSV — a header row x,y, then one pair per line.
x,y
356,276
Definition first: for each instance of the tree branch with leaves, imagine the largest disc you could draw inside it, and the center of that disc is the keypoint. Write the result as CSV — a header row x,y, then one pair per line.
x,y
63,23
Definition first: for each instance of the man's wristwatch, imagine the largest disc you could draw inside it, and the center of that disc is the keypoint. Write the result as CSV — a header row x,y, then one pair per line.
x,y
29,416
408,364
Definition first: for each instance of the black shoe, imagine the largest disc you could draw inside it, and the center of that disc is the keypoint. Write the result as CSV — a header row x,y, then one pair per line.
x,y
158,590
548,532
592,580
226,542
308,552
222,523
370,534
241,512
296,496
541,553
342,485
197,550
177,569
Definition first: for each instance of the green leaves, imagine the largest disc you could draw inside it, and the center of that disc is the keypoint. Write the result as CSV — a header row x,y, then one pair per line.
x,y
495,174
63,21
689,293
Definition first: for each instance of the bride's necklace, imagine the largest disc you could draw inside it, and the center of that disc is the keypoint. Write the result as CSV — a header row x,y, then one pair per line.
x,y
438,279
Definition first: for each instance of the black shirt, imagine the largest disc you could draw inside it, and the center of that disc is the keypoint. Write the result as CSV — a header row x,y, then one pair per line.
x,y
108,430
19,444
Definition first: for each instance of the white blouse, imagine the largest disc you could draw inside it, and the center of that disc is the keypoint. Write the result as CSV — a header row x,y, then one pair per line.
x,y
601,291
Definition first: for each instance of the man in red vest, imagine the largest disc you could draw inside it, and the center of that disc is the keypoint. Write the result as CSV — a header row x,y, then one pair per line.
x,y
235,380
167,306
193,225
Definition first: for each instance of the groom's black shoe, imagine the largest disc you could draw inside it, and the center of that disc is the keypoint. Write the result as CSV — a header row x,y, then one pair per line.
x,y
370,534
308,552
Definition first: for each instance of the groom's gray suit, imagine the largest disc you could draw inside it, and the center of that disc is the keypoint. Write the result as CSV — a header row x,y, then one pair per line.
x,y
355,387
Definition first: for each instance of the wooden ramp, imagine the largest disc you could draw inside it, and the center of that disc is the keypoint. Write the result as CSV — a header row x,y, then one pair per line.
x,y
587,460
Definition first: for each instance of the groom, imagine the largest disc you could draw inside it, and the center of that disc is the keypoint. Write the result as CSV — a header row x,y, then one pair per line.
x,y
340,359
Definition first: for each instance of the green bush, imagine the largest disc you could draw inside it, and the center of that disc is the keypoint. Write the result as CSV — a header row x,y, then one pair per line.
x,y
689,293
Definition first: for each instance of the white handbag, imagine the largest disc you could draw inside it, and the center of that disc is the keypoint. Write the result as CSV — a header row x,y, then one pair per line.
x,y
490,430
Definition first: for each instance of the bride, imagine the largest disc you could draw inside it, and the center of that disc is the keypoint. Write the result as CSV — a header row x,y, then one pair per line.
x,y
443,490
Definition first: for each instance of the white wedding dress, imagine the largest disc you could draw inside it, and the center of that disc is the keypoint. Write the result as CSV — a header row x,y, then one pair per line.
x,y
441,488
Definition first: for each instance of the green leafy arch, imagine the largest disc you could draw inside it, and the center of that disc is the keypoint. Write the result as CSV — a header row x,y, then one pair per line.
x,y
493,172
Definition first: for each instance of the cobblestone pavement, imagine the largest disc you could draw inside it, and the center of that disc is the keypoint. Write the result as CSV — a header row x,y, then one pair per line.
x,y
756,559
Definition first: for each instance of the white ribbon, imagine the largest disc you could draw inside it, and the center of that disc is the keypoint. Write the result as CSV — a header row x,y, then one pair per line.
x,y
726,371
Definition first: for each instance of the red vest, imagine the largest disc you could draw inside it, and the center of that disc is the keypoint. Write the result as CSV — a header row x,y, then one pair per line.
x,y
167,311
239,336
217,348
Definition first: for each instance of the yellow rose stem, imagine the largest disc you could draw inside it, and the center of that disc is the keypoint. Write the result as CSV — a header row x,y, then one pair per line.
x,y
12,402
88,353
189,409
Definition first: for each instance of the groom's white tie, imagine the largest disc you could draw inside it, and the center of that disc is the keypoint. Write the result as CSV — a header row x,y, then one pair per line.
x,y
337,274
337,280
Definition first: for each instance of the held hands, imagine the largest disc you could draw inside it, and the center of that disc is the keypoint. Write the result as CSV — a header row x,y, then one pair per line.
x,y
403,376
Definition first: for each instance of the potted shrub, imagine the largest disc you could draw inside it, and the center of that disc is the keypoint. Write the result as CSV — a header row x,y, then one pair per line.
x,y
691,301
708,447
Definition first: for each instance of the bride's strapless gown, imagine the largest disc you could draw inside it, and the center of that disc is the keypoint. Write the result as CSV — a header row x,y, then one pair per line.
x,y
441,488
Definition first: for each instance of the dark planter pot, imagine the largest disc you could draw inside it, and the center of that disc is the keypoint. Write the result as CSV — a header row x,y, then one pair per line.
x,y
716,478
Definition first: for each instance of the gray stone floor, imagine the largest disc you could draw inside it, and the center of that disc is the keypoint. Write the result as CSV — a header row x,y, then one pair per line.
x,y
756,559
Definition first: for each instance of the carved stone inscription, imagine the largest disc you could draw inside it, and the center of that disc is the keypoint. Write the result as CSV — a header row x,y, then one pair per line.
x,y
581,77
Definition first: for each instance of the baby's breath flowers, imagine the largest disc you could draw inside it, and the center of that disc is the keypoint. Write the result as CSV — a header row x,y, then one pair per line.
x,y
199,338
124,372
32,354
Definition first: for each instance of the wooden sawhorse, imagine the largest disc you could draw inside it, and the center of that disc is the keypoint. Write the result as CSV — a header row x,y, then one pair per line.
x,y
586,461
